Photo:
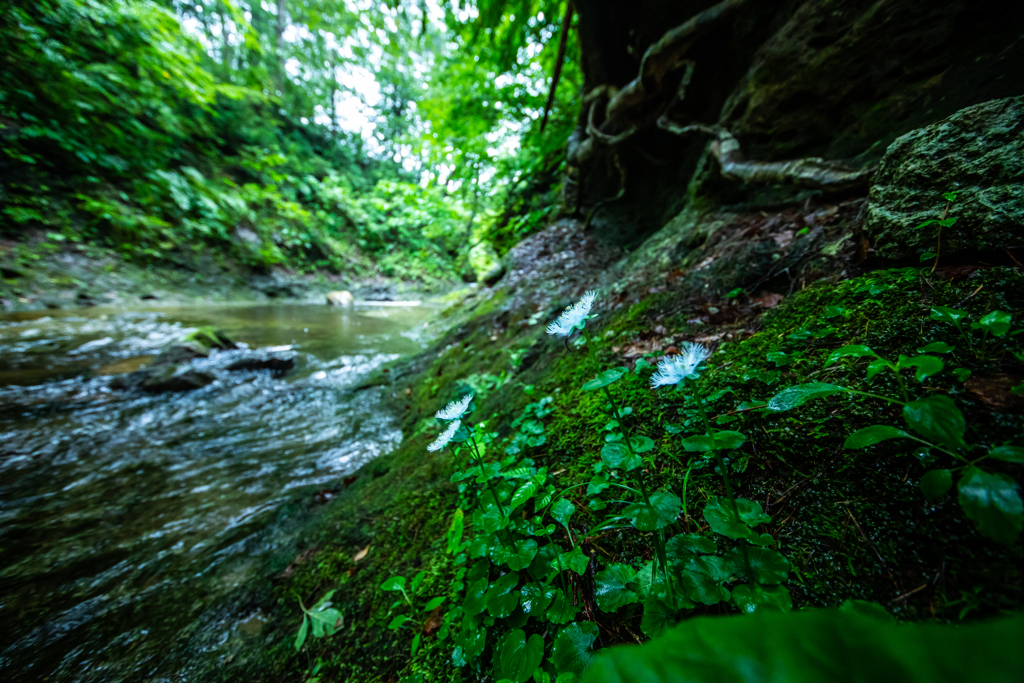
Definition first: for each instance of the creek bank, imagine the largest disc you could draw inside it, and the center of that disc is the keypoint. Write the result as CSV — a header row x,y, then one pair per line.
x,y
38,274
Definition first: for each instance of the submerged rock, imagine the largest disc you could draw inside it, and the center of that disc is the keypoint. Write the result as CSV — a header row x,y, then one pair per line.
x,y
262,362
977,153
171,378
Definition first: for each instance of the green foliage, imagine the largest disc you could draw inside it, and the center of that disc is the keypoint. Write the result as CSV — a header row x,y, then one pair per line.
x,y
991,499
818,645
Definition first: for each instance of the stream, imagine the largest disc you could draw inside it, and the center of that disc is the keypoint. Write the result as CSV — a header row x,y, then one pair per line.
x,y
127,519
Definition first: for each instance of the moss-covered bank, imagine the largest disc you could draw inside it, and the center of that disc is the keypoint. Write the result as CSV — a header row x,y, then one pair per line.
x,y
853,523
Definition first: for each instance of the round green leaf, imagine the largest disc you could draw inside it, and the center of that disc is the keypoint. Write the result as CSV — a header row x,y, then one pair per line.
x,y
574,647
395,583
703,576
605,378
562,611
562,511
768,565
616,454
719,514
641,444
936,347
476,600
937,419
516,658
612,591
993,502
935,483
575,560
664,509
752,598
536,598
684,546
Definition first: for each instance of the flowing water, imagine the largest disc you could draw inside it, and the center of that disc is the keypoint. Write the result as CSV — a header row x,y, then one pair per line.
x,y
127,518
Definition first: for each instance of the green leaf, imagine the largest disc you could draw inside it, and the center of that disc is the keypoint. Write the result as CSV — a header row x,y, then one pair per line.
x,y
876,366
575,560
658,615
718,441
992,500
562,511
641,444
719,514
517,658
396,623
395,583
562,611
996,323
574,647
961,374
536,598
703,576
926,366
684,546
454,535
854,350
664,509
768,565
869,436
476,597
434,603
519,556
799,394
612,591
868,609
490,518
500,597
937,419
300,637
935,483
947,315
750,598
523,493
415,644
937,347
1013,454
616,454
816,645
605,378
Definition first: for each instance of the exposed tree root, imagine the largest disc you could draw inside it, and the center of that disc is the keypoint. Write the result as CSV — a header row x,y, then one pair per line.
x,y
645,101
813,172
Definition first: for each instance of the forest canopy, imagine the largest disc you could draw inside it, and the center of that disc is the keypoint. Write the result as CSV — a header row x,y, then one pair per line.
x,y
393,138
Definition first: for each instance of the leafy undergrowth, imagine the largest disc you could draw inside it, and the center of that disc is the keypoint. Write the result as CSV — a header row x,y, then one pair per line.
x,y
852,523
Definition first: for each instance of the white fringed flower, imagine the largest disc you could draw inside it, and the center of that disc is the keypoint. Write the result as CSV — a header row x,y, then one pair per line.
x,y
675,369
573,317
445,437
455,409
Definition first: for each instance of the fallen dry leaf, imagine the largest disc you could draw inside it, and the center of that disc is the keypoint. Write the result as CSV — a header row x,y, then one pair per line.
x,y
994,392
769,300
361,554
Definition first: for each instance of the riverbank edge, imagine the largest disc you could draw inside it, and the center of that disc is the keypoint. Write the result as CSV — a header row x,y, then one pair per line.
x,y
43,276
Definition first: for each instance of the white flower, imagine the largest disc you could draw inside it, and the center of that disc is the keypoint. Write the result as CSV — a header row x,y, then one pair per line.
x,y
455,409
445,437
573,316
674,369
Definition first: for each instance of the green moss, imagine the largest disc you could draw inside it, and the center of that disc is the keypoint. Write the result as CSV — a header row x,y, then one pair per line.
x,y
853,523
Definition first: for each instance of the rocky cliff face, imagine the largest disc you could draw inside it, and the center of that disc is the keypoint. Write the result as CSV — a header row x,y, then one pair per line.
x,y
837,80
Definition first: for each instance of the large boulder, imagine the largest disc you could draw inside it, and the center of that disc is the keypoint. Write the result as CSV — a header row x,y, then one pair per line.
x,y
977,153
